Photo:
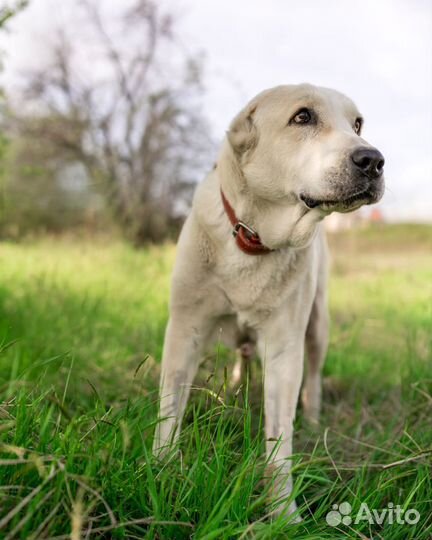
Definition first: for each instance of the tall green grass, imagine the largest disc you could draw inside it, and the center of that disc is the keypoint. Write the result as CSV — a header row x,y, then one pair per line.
x,y
81,332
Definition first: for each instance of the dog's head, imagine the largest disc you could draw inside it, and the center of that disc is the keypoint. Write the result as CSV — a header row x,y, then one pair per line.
x,y
300,151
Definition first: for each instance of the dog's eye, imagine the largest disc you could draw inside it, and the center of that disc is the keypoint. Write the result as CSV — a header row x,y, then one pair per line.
x,y
358,125
303,116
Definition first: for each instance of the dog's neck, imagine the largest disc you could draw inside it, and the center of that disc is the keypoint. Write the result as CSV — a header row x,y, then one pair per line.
x,y
234,185
278,225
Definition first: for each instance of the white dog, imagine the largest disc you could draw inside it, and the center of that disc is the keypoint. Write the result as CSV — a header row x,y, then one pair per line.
x,y
253,251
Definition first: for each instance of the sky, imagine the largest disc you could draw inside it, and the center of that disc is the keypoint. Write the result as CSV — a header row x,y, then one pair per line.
x,y
379,53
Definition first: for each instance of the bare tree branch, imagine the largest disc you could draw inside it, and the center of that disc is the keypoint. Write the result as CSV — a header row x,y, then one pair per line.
x,y
141,134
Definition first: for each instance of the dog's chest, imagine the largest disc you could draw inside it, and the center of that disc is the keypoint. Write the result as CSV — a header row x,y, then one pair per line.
x,y
255,286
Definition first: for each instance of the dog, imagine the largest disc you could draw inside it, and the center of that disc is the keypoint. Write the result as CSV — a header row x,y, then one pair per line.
x,y
252,256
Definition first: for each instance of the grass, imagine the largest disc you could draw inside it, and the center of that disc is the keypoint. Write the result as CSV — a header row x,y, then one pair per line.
x,y
81,331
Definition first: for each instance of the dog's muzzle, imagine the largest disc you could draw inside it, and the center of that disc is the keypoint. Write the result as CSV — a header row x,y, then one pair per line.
x,y
366,166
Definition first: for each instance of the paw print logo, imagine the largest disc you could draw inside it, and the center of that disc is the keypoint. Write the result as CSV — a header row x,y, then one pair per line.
x,y
339,514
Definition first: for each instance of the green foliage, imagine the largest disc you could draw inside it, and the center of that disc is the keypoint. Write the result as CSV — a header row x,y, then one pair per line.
x,y
3,150
10,10
45,190
6,13
81,328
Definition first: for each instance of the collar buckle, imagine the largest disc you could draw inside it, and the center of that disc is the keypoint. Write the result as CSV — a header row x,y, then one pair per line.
x,y
241,225
246,238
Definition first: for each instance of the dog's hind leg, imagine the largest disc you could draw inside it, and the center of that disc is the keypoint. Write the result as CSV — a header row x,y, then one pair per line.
x,y
245,353
316,350
242,367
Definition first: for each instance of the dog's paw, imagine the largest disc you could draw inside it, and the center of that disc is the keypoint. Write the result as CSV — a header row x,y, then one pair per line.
x,y
161,449
288,511
280,501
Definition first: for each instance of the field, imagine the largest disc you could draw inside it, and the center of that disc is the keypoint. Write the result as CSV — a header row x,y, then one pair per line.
x,y
81,331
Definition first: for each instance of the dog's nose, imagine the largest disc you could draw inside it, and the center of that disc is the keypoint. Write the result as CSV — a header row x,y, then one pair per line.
x,y
369,160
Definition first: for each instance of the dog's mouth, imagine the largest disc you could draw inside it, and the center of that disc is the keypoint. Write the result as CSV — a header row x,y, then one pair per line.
x,y
343,204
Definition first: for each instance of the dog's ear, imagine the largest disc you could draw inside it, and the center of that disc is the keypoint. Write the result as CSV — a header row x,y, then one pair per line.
x,y
242,134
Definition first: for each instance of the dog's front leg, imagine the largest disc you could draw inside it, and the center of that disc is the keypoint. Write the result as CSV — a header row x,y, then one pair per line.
x,y
282,351
184,339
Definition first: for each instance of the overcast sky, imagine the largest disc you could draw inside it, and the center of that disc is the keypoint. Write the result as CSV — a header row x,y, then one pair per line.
x,y
377,52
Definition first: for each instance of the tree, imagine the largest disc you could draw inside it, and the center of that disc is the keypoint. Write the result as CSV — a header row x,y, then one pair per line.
x,y
6,13
10,10
46,190
131,116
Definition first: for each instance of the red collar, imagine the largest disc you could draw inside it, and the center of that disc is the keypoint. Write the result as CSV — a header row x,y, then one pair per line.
x,y
246,238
